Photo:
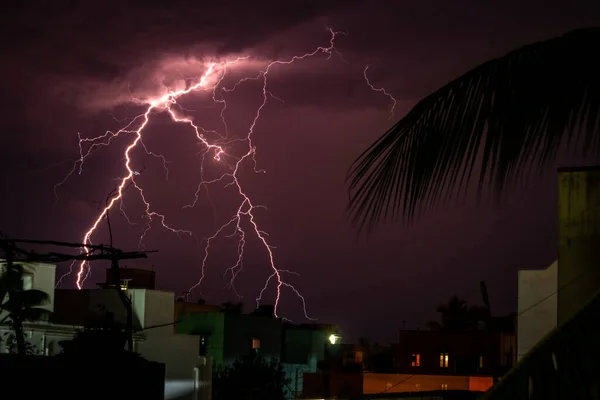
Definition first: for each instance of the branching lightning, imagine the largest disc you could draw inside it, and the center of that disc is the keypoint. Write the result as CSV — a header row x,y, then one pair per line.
x,y
210,81
381,90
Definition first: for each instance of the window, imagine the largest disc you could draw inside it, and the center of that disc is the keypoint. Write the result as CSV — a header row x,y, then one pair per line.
x,y
480,361
358,357
415,360
444,360
255,343
444,386
203,345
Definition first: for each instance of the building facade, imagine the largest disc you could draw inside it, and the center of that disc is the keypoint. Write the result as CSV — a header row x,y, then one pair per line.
x,y
537,306
309,348
153,322
578,238
225,336
485,352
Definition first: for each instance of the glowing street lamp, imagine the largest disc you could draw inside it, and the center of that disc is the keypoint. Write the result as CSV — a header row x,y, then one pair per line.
x,y
334,339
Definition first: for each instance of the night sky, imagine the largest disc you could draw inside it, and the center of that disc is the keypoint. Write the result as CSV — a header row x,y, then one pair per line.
x,y
73,67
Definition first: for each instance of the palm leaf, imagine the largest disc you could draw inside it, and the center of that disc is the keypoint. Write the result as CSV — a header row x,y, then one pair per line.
x,y
511,113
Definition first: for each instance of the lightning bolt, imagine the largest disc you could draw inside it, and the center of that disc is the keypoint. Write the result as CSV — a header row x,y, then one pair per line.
x,y
244,221
381,90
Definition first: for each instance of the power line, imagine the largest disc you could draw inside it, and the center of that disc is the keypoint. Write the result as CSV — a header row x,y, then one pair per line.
x,y
569,283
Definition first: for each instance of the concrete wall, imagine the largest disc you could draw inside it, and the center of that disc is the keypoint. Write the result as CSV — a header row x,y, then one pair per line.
x,y
305,346
579,238
179,353
230,334
154,308
537,306
156,315
211,324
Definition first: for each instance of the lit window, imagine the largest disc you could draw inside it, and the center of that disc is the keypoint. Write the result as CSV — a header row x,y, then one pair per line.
x,y
480,361
255,344
444,386
358,357
415,360
444,360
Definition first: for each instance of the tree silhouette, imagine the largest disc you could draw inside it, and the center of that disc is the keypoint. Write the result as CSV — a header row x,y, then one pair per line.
x,y
250,378
19,305
457,315
508,115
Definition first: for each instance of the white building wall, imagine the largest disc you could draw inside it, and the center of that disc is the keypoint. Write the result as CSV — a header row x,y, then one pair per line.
x,y
537,306
155,311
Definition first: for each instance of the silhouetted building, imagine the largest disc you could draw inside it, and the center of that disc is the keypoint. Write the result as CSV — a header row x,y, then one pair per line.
x,y
365,357
130,278
393,386
489,352
309,348
226,335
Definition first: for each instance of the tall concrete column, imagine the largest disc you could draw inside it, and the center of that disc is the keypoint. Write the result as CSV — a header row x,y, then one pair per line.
x,y
578,238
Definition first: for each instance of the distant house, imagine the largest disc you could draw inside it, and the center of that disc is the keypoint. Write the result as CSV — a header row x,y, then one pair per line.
x,y
483,352
422,361
225,336
307,349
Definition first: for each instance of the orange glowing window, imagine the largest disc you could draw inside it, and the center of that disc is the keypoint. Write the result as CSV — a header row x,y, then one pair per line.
x,y
358,357
444,360
255,344
415,360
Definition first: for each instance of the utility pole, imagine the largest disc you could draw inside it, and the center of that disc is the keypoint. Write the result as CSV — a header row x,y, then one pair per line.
x,y
114,265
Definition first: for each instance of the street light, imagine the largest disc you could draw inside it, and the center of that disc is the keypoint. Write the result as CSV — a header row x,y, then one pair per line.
x,y
334,339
